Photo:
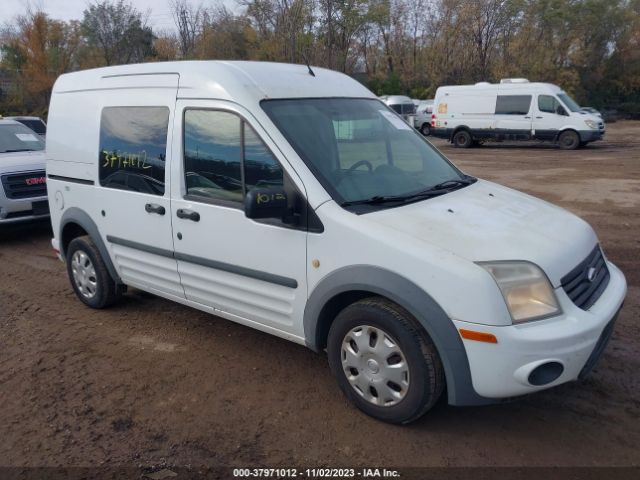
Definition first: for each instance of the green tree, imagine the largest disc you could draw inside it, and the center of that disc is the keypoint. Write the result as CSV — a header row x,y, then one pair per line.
x,y
118,32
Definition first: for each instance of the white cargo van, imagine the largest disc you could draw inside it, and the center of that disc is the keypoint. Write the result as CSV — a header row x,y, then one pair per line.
x,y
514,109
422,122
302,206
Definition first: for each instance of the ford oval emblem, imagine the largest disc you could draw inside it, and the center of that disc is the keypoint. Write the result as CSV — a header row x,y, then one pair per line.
x,y
591,274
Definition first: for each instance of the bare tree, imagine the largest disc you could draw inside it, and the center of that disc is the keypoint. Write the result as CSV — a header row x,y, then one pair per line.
x,y
188,20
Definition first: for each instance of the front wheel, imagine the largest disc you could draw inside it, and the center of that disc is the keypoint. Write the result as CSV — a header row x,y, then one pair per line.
x,y
569,140
384,362
88,274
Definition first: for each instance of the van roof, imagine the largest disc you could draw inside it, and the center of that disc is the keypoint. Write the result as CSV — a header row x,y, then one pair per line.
x,y
238,81
395,99
533,86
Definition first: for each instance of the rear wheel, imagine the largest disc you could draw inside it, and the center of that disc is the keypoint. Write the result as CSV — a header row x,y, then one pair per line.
x,y
462,139
425,129
88,274
569,140
384,362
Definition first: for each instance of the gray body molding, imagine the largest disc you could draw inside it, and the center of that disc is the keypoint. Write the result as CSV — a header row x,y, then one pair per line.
x,y
82,218
411,297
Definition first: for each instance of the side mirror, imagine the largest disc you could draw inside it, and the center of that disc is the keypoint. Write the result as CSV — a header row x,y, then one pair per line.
x,y
561,111
265,203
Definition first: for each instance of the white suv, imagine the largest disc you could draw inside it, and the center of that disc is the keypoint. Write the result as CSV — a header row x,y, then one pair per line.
x,y
23,189
292,200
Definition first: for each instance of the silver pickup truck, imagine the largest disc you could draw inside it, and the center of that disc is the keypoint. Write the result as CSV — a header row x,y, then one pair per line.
x,y
23,189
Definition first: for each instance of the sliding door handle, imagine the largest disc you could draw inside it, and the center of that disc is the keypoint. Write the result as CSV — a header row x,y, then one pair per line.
x,y
155,208
188,214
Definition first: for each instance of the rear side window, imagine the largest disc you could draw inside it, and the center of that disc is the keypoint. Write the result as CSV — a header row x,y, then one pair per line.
x,y
224,157
513,104
133,148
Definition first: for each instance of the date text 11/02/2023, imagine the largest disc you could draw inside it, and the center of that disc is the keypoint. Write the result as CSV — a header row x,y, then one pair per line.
x,y
315,473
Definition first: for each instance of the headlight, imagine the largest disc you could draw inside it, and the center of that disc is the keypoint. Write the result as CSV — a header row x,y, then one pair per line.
x,y
525,288
591,124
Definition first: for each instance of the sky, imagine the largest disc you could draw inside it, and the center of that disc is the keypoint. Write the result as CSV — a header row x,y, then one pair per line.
x,y
159,14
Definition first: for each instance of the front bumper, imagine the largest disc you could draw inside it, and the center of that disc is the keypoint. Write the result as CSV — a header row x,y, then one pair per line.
x,y
575,340
23,210
591,135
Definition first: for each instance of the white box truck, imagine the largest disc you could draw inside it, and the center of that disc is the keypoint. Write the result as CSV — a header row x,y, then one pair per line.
x,y
514,109
301,205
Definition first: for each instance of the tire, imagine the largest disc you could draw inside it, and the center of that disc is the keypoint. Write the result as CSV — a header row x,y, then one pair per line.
x,y
569,140
88,274
462,139
425,129
375,343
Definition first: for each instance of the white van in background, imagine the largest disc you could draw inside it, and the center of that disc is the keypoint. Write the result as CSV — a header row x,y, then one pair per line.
x,y
424,110
514,109
402,105
297,203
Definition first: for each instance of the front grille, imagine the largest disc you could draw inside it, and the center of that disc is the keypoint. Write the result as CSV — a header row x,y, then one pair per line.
x,y
578,286
24,185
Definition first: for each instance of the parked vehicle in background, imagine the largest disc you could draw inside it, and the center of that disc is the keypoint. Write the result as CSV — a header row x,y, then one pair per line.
x,y
402,105
23,190
591,110
34,123
423,117
294,201
514,109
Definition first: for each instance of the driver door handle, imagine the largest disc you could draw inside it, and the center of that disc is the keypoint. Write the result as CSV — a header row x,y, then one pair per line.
x,y
155,208
539,117
188,214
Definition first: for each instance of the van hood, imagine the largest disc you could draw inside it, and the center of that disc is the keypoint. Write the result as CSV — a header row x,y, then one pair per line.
x,y
486,222
22,161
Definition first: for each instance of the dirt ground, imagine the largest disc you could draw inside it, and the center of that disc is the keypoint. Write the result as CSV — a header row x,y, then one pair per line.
x,y
151,383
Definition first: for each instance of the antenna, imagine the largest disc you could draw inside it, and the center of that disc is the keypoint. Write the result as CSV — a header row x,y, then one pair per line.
x,y
306,61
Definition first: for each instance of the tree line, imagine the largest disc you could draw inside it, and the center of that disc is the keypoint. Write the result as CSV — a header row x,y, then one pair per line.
x,y
589,47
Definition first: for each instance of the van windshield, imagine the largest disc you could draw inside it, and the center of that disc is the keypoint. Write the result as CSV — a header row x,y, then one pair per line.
x,y
364,154
569,102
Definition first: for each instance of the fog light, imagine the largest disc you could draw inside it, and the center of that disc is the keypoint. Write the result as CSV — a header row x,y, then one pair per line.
x,y
545,373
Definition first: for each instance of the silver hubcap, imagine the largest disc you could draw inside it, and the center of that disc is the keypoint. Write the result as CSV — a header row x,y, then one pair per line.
x,y
84,274
375,366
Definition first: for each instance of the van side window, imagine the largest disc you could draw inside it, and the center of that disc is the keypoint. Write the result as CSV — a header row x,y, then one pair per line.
x,y
261,169
133,148
224,157
548,104
212,155
513,104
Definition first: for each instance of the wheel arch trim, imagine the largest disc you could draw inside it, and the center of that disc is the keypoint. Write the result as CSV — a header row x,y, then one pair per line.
x,y
83,220
382,282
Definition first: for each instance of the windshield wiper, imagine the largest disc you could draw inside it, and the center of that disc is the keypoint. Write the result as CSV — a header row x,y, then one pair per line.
x,y
453,184
19,150
435,191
